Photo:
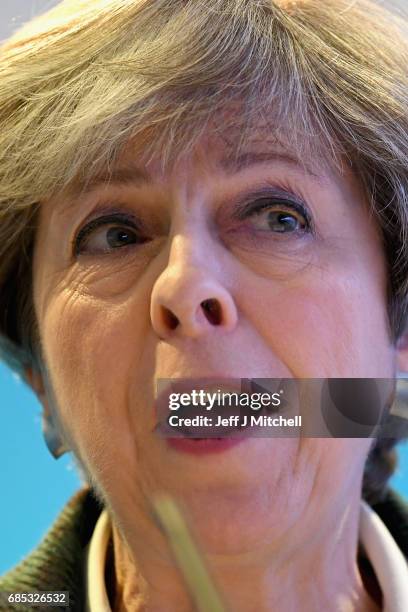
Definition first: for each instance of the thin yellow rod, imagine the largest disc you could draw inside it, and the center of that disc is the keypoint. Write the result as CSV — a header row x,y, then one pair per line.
x,y
199,582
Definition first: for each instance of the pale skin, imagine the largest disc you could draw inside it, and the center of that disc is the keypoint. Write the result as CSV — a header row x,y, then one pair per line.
x,y
276,518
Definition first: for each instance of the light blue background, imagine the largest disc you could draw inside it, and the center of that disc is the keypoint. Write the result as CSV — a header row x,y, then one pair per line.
x,y
34,485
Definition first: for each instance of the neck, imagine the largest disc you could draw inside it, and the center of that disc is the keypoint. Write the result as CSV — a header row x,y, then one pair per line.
x,y
318,573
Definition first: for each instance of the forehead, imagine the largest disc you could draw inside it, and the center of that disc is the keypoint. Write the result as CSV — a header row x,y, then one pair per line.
x,y
227,149
232,133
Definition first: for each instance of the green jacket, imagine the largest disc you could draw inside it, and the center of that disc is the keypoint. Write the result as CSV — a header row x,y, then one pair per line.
x,y
57,564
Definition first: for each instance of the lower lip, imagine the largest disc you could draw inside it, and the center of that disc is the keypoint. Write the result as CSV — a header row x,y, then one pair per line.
x,y
204,446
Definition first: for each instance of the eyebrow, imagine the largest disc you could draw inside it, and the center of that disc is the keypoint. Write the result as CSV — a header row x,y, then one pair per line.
x,y
234,164
135,176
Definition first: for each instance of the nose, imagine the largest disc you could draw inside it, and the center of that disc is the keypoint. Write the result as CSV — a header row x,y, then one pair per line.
x,y
187,300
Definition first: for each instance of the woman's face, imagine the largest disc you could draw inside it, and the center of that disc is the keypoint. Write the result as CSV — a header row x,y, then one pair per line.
x,y
296,266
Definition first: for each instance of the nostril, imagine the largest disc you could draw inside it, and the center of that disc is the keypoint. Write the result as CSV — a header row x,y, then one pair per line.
x,y
169,319
212,310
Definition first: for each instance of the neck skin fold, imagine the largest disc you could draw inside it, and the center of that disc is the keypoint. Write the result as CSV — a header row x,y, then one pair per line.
x,y
320,574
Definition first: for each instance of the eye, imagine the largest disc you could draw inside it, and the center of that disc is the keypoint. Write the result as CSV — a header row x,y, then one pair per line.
x,y
115,232
278,215
275,220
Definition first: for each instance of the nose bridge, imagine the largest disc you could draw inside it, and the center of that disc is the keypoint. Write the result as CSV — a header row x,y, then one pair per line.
x,y
186,249
184,271
189,298
193,250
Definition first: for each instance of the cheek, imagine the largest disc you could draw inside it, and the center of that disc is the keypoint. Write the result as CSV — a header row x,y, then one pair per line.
x,y
324,323
331,468
96,351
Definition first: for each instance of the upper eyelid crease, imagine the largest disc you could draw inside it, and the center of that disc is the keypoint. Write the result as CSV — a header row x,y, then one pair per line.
x,y
105,219
269,201
274,196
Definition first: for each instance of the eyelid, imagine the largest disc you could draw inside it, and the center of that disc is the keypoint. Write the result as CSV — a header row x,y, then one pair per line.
x,y
105,216
268,198
248,204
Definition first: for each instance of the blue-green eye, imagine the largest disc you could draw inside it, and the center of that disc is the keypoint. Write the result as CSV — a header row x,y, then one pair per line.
x,y
284,222
117,237
275,218
107,234
276,211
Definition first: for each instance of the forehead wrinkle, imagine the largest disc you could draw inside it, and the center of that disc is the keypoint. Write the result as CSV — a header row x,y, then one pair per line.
x,y
125,174
237,163
132,174
263,141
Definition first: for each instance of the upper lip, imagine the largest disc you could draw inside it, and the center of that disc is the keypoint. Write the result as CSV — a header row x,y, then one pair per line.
x,y
187,385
